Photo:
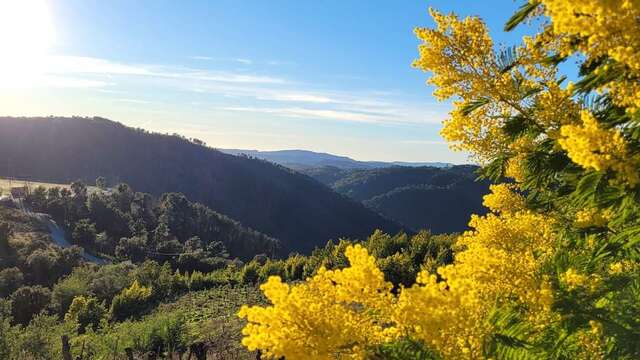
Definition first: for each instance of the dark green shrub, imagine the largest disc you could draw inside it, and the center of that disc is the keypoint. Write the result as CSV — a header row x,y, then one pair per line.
x,y
74,285
84,233
10,280
294,267
271,268
28,301
250,273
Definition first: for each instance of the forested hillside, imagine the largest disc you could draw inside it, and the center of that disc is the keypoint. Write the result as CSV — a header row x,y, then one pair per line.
x,y
269,198
438,199
128,225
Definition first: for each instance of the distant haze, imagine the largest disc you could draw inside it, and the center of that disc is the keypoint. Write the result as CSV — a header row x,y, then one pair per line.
x,y
301,159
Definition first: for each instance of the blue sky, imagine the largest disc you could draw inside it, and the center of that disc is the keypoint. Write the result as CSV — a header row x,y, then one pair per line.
x,y
331,76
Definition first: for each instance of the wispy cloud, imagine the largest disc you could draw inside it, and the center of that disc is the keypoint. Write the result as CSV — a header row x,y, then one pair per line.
x,y
297,97
198,57
280,63
244,61
238,91
96,66
326,114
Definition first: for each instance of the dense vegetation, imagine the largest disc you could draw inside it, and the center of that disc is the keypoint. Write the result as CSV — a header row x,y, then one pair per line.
x,y
134,226
438,199
259,194
148,309
552,271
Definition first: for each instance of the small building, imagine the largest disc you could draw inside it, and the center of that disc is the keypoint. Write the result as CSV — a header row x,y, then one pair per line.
x,y
19,192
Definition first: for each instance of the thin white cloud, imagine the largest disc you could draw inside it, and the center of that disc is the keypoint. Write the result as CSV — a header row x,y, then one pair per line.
x,y
279,63
235,90
244,61
96,66
298,112
297,97
348,114
198,57
231,77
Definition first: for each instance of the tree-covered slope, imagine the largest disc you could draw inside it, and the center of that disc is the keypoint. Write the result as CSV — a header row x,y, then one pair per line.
x,y
279,202
438,199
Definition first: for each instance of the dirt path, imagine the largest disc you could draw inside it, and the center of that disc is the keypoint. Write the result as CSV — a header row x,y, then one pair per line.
x,y
59,237
57,233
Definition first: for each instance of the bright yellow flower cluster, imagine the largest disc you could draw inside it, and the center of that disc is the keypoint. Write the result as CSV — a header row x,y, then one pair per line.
x,y
593,217
137,291
335,314
620,267
339,313
607,28
499,264
464,40
594,147
504,199
515,167
460,56
573,280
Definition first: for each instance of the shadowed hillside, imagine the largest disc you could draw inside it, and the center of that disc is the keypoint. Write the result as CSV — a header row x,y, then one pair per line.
x,y
279,202
438,199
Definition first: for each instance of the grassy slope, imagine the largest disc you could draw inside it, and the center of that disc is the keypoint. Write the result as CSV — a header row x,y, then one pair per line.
x,y
6,184
212,317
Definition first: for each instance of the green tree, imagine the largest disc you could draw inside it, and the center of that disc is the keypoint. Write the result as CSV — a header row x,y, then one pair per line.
x,y
10,280
69,288
84,233
134,249
42,266
28,301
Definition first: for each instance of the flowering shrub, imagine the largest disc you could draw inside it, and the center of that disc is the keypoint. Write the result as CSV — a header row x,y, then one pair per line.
x,y
131,302
552,271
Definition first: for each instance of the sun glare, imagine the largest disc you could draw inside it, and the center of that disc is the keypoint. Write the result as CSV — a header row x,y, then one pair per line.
x,y
26,34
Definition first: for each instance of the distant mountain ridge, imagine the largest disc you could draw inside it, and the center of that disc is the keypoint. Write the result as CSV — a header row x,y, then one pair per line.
x,y
305,159
438,199
294,208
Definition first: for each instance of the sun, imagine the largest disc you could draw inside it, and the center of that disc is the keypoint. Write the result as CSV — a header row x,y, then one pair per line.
x,y
26,34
